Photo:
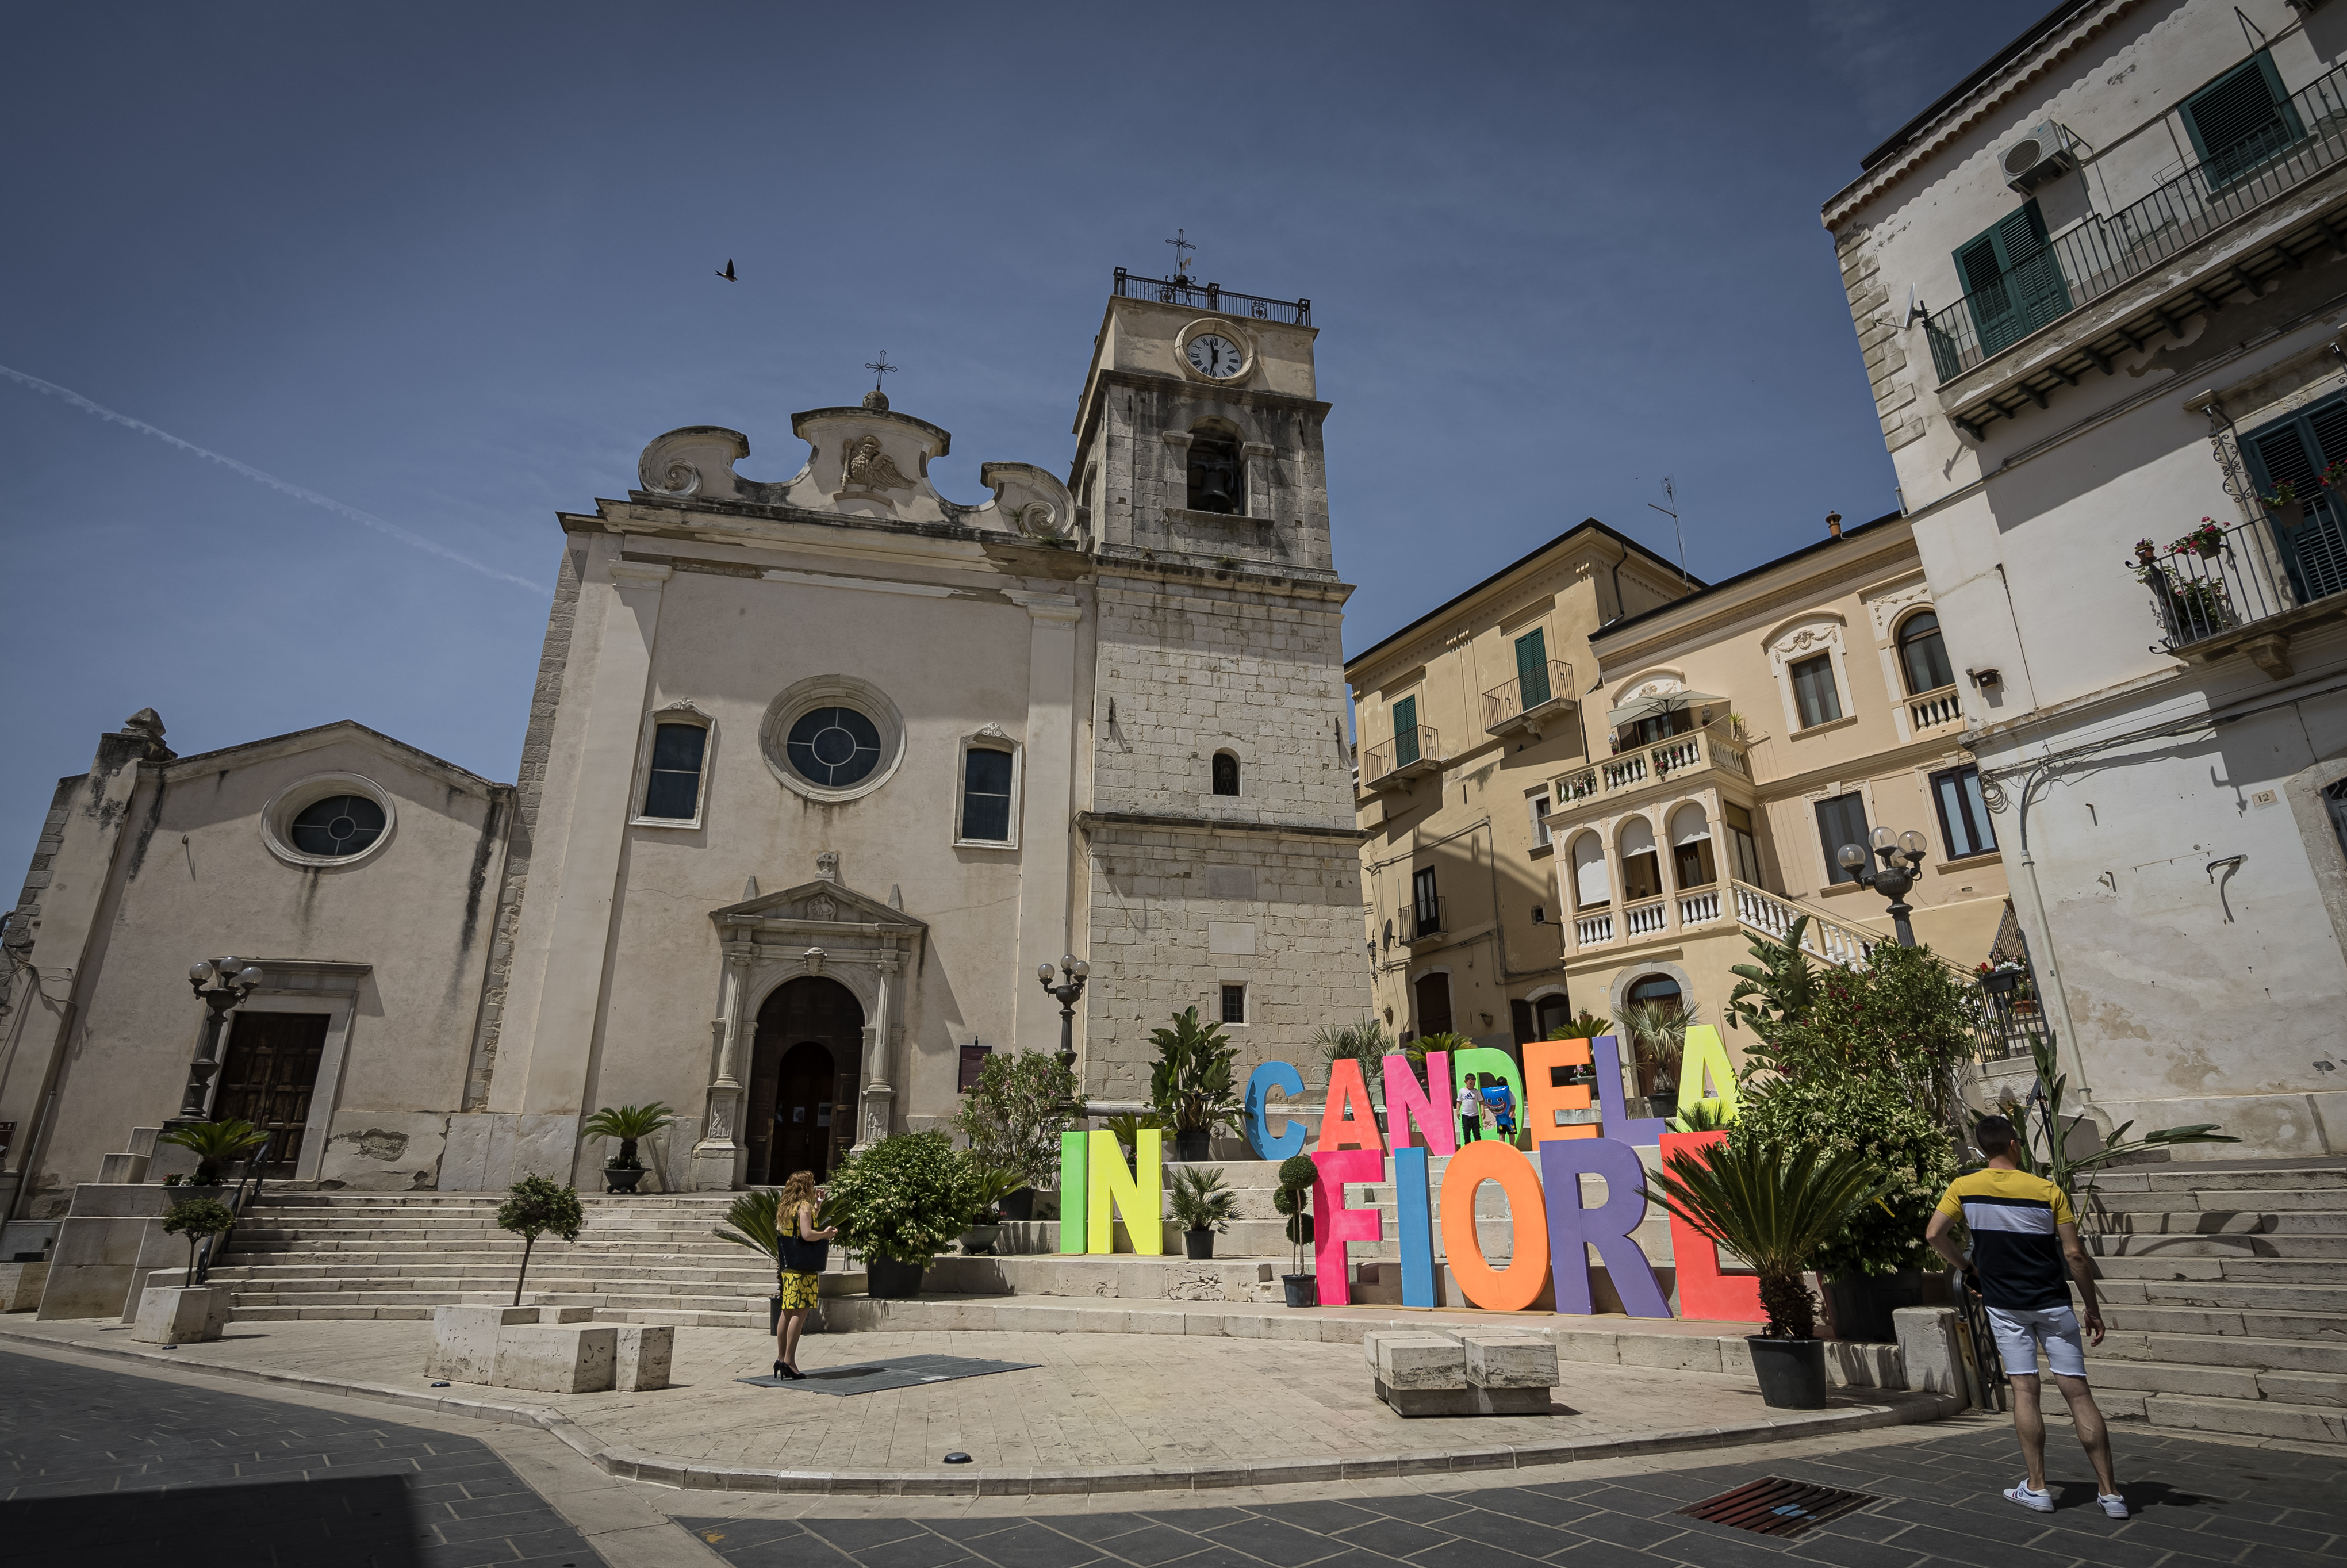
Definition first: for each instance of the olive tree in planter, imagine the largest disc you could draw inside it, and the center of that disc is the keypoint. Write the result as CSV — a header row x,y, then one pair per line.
x,y
1190,1087
537,1207
197,1219
1296,1174
1013,1118
631,1124
1202,1204
898,1203
1775,1208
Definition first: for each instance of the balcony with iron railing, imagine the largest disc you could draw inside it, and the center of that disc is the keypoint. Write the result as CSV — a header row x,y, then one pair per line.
x,y
1539,694
1193,296
1411,753
2096,257
2226,590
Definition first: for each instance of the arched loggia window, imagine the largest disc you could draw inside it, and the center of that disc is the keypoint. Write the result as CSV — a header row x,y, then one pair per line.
x,y
1226,774
1217,477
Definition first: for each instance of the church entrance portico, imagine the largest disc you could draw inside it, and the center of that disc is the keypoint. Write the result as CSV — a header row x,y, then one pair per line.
x,y
816,966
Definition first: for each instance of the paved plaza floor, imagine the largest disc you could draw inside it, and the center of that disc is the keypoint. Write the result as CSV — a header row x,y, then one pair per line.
x,y
102,1463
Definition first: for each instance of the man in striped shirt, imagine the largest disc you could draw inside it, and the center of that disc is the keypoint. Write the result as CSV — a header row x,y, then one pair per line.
x,y
2023,1236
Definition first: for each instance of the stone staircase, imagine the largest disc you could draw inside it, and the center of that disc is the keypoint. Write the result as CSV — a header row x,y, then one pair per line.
x,y
2224,1286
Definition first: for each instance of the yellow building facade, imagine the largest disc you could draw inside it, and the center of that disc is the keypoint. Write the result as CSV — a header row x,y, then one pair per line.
x,y
1464,720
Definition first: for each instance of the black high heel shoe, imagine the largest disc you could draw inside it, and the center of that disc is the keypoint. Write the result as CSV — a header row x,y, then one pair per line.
x,y
780,1370
793,1373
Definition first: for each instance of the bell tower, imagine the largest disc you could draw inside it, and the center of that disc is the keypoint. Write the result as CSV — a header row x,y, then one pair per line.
x,y
1220,864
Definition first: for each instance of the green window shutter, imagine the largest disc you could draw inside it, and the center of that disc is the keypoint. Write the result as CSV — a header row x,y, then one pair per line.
x,y
1405,718
2012,279
1531,668
2293,452
2239,120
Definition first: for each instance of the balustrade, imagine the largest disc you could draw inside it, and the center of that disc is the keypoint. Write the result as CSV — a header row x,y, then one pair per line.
x,y
1929,710
1646,919
1592,931
1699,907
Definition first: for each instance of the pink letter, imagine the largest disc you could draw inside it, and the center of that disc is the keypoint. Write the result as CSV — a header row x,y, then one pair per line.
x,y
1334,1224
1432,1106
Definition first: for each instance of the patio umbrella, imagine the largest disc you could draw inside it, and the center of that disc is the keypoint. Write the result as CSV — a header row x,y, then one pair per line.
x,y
1639,708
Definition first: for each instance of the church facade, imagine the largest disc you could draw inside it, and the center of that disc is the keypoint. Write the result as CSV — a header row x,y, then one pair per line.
x,y
818,772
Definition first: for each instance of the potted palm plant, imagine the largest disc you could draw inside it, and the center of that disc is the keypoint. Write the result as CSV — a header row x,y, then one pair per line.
x,y
1657,1032
1190,1087
1774,1208
989,1186
214,1145
1202,1204
1296,1174
756,1221
631,1124
898,1205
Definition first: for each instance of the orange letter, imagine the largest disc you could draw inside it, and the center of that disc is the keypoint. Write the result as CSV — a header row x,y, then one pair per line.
x,y
1543,1097
1519,1285
1347,1122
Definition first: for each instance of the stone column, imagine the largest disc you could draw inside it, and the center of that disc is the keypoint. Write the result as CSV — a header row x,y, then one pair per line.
x,y
716,1159
874,1116
1046,826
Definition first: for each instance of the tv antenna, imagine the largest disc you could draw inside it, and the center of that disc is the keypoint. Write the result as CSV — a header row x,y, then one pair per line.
x,y
1182,249
1670,495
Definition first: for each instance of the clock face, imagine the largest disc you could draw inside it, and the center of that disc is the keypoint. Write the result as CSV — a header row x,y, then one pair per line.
x,y
1211,355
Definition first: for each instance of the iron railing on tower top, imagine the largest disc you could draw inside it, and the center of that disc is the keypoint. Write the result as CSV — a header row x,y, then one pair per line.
x,y
1211,297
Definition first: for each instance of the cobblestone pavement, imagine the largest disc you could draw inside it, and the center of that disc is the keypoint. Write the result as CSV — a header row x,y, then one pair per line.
x,y
103,1467
1935,1503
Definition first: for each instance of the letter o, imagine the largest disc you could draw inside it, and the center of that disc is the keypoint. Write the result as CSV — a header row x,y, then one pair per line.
x,y
1518,1286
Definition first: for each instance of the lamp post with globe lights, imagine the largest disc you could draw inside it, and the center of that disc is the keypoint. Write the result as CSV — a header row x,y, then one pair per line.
x,y
1902,854
1073,969
222,983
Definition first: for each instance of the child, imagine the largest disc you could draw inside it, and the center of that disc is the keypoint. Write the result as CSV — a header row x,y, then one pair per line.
x,y
1470,1111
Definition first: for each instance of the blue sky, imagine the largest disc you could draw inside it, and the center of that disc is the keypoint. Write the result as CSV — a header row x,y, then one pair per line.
x,y
448,268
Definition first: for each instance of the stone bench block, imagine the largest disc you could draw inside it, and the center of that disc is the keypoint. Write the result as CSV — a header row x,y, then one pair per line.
x,y
1503,1358
20,1285
465,1340
1409,1358
642,1355
572,1358
181,1315
1929,1354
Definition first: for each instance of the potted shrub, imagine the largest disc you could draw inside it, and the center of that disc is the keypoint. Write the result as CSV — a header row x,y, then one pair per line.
x,y
2287,507
1012,1121
1296,1174
898,1205
989,1186
1774,1208
2204,542
2147,554
198,1219
1657,1032
631,1124
1190,1087
537,1207
214,1145
1202,1204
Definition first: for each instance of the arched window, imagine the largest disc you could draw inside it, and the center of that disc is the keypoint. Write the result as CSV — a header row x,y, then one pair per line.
x,y
1691,858
672,783
1589,884
1226,774
1217,477
1922,656
1642,867
1661,990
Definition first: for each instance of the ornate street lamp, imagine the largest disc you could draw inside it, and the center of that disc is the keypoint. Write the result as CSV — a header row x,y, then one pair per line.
x,y
1066,993
222,983
1902,856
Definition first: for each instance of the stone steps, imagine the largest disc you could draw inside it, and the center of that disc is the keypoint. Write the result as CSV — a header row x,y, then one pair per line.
x,y
2242,1269
2226,1350
2325,1222
2225,1293
2225,1200
2222,1244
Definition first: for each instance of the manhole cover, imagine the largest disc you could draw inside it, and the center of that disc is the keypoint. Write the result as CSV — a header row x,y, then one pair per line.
x,y
1774,1506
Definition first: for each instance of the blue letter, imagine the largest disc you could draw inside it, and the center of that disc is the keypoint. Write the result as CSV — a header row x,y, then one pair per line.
x,y
1416,1225
1273,1075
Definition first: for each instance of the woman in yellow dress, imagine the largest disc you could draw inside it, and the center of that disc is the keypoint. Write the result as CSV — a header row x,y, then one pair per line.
x,y
805,1251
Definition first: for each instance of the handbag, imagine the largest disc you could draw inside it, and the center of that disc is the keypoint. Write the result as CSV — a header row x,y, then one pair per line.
x,y
801,1257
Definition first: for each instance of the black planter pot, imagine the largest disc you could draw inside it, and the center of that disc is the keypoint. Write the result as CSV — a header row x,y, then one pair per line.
x,y
2000,983
887,1280
1198,1245
774,1313
1190,1148
1663,1104
1792,1373
1862,1304
1019,1207
1303,1290
621,1178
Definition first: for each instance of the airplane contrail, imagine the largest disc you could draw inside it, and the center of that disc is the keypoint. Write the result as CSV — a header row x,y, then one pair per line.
x,y
406,536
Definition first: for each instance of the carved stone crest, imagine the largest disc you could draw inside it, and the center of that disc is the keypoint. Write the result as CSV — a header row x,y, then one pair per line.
x,y
826,865
822,907
866,468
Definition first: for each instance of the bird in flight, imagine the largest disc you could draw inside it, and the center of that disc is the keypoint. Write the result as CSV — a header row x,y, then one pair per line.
x,y
728,273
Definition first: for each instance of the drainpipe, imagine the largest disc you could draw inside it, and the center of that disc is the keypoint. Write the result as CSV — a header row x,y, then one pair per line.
x,y
2053,962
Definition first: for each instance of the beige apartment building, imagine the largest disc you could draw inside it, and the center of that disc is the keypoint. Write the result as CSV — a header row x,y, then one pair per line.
x,y
1741,734
1466,717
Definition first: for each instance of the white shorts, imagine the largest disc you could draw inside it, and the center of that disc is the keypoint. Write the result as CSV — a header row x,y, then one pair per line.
x,y
2019,1334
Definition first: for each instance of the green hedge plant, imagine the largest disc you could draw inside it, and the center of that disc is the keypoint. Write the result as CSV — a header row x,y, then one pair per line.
x,y
1013,1118
905,1198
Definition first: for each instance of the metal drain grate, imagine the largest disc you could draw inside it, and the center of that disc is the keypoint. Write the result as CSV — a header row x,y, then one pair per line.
x,y
1774,1506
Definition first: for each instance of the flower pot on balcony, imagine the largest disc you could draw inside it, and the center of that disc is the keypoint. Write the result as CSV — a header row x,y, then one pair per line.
x,y
2206,550
2145,555
2290,514
2000,982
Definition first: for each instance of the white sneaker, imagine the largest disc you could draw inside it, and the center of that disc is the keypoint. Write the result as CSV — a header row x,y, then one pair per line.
x,y
2113,1504
2035,1501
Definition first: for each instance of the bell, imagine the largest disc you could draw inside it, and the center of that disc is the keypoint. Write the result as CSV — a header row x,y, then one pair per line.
x,y
1214,501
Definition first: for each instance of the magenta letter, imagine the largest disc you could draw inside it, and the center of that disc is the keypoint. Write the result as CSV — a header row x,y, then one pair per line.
x,y
1334,1224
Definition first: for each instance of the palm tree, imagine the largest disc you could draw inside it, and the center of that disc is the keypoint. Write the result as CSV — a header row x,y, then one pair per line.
x,y
630,1124
214,1145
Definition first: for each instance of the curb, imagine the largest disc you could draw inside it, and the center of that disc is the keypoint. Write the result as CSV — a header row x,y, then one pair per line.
x,y
660,1469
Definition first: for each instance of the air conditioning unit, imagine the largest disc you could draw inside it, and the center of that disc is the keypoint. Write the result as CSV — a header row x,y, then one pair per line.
x,y
2045,155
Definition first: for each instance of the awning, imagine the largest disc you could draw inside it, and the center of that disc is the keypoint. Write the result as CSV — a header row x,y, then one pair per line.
x,y
1630,712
